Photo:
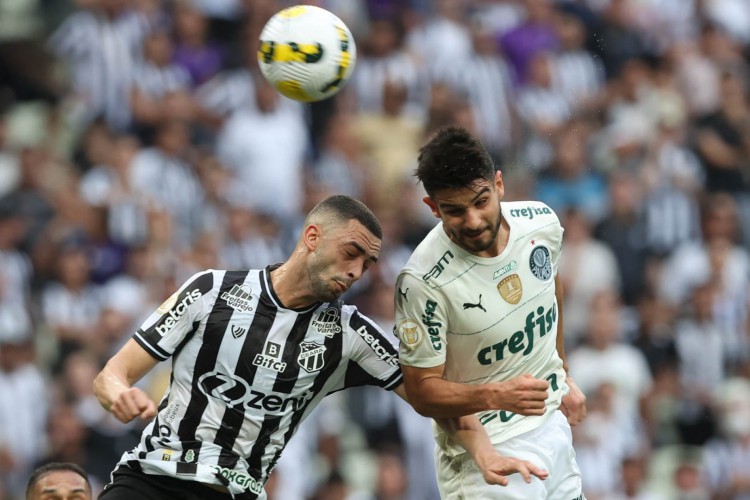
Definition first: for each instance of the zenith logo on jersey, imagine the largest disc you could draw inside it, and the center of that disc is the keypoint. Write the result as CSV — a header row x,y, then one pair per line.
x,y
237,392
541,320
170,319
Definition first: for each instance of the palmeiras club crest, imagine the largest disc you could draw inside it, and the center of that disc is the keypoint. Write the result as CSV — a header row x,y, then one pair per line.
x,y
310,357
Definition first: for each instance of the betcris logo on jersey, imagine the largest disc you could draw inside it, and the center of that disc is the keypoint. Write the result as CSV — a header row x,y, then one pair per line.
x,y
376,346
170,318
538,322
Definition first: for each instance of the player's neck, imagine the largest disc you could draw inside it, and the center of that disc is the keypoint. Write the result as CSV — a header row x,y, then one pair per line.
x,y
291,286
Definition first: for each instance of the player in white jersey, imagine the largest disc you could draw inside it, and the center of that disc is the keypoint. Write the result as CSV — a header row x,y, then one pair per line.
x,y
478,310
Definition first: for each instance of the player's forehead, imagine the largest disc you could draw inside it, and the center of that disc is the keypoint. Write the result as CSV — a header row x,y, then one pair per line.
x,y
462,196
353,232
61,481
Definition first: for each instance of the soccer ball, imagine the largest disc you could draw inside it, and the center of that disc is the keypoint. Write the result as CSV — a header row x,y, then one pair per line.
x,y
306,53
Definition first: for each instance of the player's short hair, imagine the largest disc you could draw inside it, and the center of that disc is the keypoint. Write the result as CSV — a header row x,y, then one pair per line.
x,y
45,469
341,208
453,159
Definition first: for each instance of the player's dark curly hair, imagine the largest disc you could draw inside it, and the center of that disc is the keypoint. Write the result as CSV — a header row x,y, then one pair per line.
x,y
343,208
45,469
452,159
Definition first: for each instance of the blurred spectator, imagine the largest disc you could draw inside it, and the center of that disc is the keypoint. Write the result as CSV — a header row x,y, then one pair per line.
x,y
160,87
569,183
24,408
535,35
543,109
101,42
200,57
576,73
162,173
384,59
627,371
588,270
391,139
71,305
699,343
486,80
727,460
265,150
623,230
718,259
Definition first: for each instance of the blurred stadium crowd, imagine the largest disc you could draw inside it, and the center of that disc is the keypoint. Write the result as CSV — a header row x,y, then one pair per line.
x,y
138,145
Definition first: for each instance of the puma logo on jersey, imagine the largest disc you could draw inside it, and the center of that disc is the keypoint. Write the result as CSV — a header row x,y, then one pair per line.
x,y
403,293
469,305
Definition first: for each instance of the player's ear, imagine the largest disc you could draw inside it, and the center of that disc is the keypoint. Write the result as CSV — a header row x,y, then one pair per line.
x,y
312,236
499,184
433,206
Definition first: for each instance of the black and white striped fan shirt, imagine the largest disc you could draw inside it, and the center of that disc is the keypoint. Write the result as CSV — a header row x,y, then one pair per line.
x,y
245,372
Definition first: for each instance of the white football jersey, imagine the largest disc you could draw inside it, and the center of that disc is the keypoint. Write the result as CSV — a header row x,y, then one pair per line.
x,y
486,319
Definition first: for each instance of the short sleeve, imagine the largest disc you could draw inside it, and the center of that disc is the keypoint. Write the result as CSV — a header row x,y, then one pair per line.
x,y
168,326
420,323
374,355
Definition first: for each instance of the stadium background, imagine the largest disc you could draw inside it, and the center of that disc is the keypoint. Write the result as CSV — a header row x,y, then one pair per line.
x,y
137,146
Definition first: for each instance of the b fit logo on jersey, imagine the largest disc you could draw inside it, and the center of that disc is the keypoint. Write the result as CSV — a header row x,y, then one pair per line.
x,y
311,358
239,298
540,263
327,322
271,357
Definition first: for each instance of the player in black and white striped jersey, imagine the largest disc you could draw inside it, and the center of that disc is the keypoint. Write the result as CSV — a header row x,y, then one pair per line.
x,y
253,352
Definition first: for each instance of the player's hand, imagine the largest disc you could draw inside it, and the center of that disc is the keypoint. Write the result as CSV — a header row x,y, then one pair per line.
x,y
132,403
574,403
495,468
524,395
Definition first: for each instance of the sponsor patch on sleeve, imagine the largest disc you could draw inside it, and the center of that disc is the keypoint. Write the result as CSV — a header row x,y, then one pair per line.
x,y
411,333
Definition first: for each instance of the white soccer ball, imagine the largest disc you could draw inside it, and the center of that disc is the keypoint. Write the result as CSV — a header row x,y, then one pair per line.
x,y
306,53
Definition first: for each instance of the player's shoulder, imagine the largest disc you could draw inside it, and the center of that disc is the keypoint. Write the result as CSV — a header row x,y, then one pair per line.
x,y
528,211
432,258
532,217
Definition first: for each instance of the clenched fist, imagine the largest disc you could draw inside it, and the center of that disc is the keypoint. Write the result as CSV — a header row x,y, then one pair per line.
x,y
132,403
524,395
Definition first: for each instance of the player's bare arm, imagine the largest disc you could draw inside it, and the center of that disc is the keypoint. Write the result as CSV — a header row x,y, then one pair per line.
x,y
114,389
471,435
574,403
433,396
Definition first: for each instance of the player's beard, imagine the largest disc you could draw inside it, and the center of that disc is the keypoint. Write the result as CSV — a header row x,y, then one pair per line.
x,y
323,285
488,240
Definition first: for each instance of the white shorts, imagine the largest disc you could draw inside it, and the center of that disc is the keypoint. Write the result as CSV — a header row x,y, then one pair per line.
x,y
549,446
